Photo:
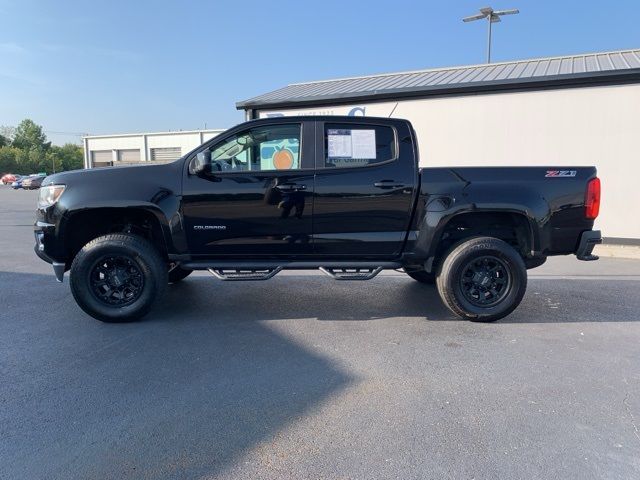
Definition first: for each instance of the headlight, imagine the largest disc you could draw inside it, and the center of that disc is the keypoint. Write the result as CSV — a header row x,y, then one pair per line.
x,y
49,195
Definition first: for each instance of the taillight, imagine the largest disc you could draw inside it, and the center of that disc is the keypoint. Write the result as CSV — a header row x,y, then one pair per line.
x,y
592,199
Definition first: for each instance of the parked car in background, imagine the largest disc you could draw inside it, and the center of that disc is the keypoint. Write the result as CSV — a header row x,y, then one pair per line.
x,y
9,178
33,182
18,183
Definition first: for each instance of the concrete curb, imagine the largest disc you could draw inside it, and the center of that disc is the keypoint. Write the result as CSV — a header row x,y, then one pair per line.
x,y
618,251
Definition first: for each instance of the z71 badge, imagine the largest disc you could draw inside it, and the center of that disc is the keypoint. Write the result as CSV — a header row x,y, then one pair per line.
x,y
561,173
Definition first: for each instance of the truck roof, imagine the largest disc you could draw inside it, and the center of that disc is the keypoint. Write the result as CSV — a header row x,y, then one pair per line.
x,y
323,118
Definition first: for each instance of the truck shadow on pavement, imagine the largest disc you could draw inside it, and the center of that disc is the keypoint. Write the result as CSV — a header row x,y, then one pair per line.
x,y
316,297
183,397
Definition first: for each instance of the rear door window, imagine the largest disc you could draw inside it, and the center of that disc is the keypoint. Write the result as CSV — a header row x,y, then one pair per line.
x,y
348,145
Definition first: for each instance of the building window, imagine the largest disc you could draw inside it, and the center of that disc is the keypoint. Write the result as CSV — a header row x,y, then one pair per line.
x,y
166,154
129,156
101,158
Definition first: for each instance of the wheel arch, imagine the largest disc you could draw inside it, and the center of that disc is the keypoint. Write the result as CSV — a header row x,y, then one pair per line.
x,y
83,225
512,226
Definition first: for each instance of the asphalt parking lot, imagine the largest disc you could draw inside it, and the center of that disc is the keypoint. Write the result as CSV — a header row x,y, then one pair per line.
x,y
305,377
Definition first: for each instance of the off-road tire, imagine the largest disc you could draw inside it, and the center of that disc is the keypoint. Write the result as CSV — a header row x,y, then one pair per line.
x,y
143,256
422,276
178,273
450,283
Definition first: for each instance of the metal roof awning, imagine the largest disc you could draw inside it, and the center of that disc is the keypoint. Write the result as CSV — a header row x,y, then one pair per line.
x,y
621,66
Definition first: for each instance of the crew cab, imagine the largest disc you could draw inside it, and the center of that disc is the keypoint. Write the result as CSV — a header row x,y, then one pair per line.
x,y
341,194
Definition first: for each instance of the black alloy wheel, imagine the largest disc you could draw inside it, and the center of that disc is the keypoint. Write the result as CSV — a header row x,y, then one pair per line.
x,y
485,281
116,281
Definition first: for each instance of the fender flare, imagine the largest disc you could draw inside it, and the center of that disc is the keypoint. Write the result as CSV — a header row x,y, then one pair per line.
x,y
167,226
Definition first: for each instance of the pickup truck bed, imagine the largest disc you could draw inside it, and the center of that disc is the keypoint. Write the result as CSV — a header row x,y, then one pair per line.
x,y
342,194
482,198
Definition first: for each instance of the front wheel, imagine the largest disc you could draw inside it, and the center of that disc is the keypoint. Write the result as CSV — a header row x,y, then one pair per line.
x,y
118,277
482,279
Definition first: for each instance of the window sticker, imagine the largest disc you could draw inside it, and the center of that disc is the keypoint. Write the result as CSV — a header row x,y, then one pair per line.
x,y
355,144
363,144
339,143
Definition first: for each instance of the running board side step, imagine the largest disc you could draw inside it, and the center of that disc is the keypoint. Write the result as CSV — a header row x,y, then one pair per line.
x,y
266,269
284,264
237,274
351,273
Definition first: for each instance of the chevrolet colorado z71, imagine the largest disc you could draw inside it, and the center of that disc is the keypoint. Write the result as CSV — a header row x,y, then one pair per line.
x,y
341,194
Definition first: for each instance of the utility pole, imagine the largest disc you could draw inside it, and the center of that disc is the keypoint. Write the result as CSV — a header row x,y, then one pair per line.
x,y
492,16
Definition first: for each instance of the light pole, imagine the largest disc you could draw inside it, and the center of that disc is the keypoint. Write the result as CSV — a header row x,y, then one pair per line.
x,y
492,16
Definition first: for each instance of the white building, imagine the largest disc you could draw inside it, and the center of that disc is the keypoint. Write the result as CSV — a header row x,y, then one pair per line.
x,y
135,148
574,110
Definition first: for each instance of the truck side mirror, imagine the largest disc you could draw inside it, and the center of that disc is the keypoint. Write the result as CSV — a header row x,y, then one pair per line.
x,y
203,162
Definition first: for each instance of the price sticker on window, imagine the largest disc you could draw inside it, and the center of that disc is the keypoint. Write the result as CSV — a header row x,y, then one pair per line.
x,y
347,143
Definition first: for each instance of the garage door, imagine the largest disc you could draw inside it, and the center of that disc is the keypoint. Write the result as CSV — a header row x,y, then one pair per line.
x,y
167,154
101,158
129,156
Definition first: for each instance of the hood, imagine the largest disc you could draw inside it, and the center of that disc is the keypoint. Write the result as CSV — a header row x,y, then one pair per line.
x,y
115,187
116,176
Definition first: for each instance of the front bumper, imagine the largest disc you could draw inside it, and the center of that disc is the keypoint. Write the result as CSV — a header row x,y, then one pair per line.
x,y
588,240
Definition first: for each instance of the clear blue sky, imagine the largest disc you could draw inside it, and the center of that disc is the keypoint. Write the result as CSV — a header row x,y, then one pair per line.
x,y
130,66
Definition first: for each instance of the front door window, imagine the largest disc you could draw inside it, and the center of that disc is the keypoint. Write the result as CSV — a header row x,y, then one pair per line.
x,y
259,149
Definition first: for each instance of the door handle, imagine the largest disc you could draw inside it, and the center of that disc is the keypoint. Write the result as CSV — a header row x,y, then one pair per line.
x,y
387,184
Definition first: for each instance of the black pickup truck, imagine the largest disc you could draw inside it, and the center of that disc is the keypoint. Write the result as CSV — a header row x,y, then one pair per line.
x,y
341,194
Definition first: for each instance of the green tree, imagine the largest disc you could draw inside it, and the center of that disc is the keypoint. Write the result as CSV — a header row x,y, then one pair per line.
x,y
31,160
8,160
25,150
29,135
72,156
67,157
7,132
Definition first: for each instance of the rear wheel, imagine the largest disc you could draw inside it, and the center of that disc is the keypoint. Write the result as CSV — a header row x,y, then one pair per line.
x,y
118,277
482,279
